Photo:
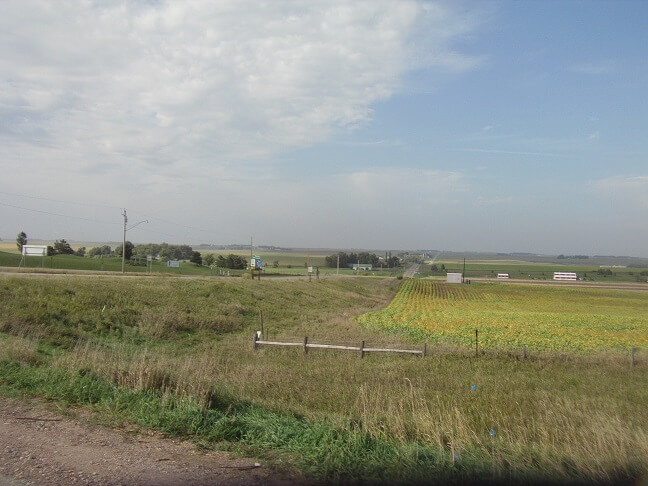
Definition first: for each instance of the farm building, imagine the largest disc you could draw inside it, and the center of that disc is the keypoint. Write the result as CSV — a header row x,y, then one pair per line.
x,y
565,276
454,278
362,266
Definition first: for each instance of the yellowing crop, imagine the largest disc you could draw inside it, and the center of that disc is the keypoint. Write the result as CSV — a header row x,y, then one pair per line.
x,y
540,317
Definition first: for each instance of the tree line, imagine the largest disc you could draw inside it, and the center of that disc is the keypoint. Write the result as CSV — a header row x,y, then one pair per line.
x,y
350,259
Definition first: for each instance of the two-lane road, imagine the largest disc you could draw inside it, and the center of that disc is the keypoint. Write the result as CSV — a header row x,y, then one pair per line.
x,y
412,271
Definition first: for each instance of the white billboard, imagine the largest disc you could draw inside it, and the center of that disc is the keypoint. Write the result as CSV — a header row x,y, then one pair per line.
x,y
34,250
173,264
453,278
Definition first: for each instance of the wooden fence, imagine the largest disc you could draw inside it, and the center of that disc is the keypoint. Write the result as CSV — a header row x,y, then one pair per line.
x,y
362,349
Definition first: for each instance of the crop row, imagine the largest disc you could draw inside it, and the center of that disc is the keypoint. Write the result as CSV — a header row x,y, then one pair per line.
x,y
510,316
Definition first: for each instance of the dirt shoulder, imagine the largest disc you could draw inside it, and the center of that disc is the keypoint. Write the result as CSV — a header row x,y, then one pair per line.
x,y
39,446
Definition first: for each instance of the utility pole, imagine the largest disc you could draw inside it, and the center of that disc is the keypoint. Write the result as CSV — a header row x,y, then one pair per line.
x,y
124,242
124,238
338,265
463,275
251,268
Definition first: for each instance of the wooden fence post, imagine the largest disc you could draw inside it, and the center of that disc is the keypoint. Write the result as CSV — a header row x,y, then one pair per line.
x,y
362,350
261,320
632,357
254,343
476,342
305,344
424,350
524,354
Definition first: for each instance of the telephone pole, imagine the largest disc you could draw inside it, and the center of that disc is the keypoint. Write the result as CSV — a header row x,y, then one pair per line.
x,y
124,238
124,242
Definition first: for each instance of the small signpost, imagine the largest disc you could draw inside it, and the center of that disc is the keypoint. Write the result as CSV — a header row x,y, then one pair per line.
x,y
33,250
256,264
173,264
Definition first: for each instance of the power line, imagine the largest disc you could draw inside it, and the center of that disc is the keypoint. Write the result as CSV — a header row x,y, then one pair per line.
x,y
193,228
57,214
60,200
173,222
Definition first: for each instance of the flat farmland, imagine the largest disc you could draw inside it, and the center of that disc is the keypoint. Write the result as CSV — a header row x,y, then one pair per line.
x,y
175,355
518,269
510,316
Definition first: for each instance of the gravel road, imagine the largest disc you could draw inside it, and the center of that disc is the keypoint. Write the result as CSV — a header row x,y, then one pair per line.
x,y
38,447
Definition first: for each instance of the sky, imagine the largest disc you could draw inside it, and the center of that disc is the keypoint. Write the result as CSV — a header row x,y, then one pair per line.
x,y
503,126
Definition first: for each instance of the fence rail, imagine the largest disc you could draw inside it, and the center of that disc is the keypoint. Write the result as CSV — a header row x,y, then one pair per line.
x,y
360,349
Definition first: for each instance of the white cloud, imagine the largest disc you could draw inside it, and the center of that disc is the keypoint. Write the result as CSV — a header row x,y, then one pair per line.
x,y
177,108
174,84
632,190
594,136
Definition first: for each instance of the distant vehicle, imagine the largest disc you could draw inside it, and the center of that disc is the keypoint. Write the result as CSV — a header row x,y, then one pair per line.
x,y
502,275
565,276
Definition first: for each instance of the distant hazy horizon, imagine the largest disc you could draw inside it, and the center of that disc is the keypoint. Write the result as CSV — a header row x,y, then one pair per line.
x,y
492,126
260,247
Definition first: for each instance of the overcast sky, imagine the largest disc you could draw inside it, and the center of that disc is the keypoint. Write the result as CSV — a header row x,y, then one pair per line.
x,y
386,124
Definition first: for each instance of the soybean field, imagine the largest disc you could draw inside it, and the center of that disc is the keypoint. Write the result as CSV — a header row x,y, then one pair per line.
x,y
507,316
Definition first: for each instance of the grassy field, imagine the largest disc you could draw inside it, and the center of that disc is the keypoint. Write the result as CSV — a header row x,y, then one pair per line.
x,y
175,355
292,265
540,317
108,264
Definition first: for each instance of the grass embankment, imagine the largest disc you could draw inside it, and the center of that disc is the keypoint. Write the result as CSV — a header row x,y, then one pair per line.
x,y
541,318
107,264
176,356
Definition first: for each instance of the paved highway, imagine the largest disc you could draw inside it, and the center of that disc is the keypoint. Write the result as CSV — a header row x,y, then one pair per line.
x,y
411,271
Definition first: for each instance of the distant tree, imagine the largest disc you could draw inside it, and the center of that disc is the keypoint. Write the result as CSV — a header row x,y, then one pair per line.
x,y
80,251
235,262
196,258
231,261
275,264
185,252
21,240
129,250
209,260
96,251
348,259
434,267
50,250
393,262
63,247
